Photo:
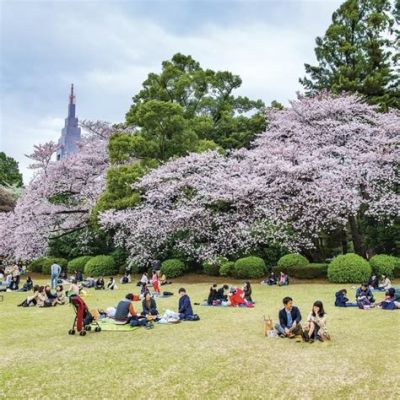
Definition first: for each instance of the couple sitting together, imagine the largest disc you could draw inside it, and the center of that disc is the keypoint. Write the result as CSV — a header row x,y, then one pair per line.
x,y
289,322
125,311
234,297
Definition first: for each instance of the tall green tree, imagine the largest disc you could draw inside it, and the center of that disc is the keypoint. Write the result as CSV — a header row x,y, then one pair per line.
x,y
358,53
9,171
185,103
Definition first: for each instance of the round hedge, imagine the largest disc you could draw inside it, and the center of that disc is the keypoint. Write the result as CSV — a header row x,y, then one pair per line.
x,y
43,264
292,260
173,268
249,267
349,268
78,264
383,264
227,268
101,265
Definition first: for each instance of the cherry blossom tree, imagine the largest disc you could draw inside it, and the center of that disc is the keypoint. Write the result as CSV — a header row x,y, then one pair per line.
x,y
323,163
59,198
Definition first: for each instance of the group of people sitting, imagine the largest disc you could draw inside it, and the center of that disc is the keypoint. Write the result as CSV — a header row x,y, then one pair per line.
x,y
43,296
282,280
234,297
289,325
364,298
10,277
125,311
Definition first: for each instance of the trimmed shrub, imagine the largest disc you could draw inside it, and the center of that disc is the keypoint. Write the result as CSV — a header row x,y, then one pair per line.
x,y
43,264
78,264
249,267
349,268
212,267
101,265
383,264
227,268
291,260
36,265
310,271
173,268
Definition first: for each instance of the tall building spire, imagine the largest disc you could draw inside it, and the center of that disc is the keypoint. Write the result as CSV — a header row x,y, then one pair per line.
x,y
71,133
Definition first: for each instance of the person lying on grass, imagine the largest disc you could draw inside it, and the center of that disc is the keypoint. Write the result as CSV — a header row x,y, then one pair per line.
x,y
289,320
341,299
384,283
364,296
271,280
315,328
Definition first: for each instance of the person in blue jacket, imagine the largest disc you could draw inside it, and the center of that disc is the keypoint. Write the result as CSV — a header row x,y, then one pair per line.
x,y
289,320
364,294
342,300
185,307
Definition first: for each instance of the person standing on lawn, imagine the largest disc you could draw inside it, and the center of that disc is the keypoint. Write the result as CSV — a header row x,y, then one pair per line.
x,y
55,271
289,320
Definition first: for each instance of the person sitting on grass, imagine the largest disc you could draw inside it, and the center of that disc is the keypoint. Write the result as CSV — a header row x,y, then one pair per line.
x,y
163,280
42,300
49,294
316,324
61,299
185,307
13,285
222,293
28,285
283,279
212,295
389,302
341,299
31,300
271,280
111,285
373,282
384,283
236,297
364,295
289,320
125,309
100,283
74,288
149,306
247,291
126,278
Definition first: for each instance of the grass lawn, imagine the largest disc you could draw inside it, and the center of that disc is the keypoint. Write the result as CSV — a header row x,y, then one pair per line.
x,y
223,356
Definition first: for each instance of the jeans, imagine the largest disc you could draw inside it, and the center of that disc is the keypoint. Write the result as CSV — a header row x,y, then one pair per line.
x,y
54,281
297,330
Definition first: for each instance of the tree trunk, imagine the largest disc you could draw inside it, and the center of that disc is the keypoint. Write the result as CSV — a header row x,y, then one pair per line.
x,y
344,242
356,236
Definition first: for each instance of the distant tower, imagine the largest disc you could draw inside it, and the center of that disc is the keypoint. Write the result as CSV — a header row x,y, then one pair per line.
x,y
71,133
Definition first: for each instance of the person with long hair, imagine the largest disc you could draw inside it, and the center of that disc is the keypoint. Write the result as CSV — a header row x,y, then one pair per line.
x,y
316,324
247,291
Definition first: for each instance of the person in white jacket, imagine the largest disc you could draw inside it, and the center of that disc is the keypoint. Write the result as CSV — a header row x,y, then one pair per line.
x,y
316,328
384,283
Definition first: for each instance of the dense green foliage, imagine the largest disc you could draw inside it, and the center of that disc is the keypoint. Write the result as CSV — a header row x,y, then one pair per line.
x,y
9,171
249,267
358,53
227,268
349,268
383,264
213,267
292,260
78,264
100,266
43,264
173,268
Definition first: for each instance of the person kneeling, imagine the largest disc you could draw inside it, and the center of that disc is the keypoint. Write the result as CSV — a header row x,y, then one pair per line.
x,y
289,320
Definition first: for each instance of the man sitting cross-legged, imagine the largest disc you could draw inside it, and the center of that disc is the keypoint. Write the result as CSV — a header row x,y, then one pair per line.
x,y
289,320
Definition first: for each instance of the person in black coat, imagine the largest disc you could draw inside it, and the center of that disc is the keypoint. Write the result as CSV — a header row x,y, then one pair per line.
x,y
185,307
221,293
289,320
149,305
212,296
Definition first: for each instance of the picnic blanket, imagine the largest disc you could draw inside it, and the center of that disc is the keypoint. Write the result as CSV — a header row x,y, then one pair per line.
x,y
108,324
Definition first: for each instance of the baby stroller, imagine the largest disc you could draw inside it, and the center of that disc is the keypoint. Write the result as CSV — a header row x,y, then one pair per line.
x,y
83,318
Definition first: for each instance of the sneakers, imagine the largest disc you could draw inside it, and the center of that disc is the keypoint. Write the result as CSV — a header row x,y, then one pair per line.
x,y
149,325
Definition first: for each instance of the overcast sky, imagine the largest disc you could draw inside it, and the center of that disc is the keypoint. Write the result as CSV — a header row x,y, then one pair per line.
x,y
107,48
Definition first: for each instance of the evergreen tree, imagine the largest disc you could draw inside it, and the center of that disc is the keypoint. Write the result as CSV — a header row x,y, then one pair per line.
x,y
9,172
358,53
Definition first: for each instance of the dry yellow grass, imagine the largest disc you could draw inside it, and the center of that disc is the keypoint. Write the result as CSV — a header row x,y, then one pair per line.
x,y
223,356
